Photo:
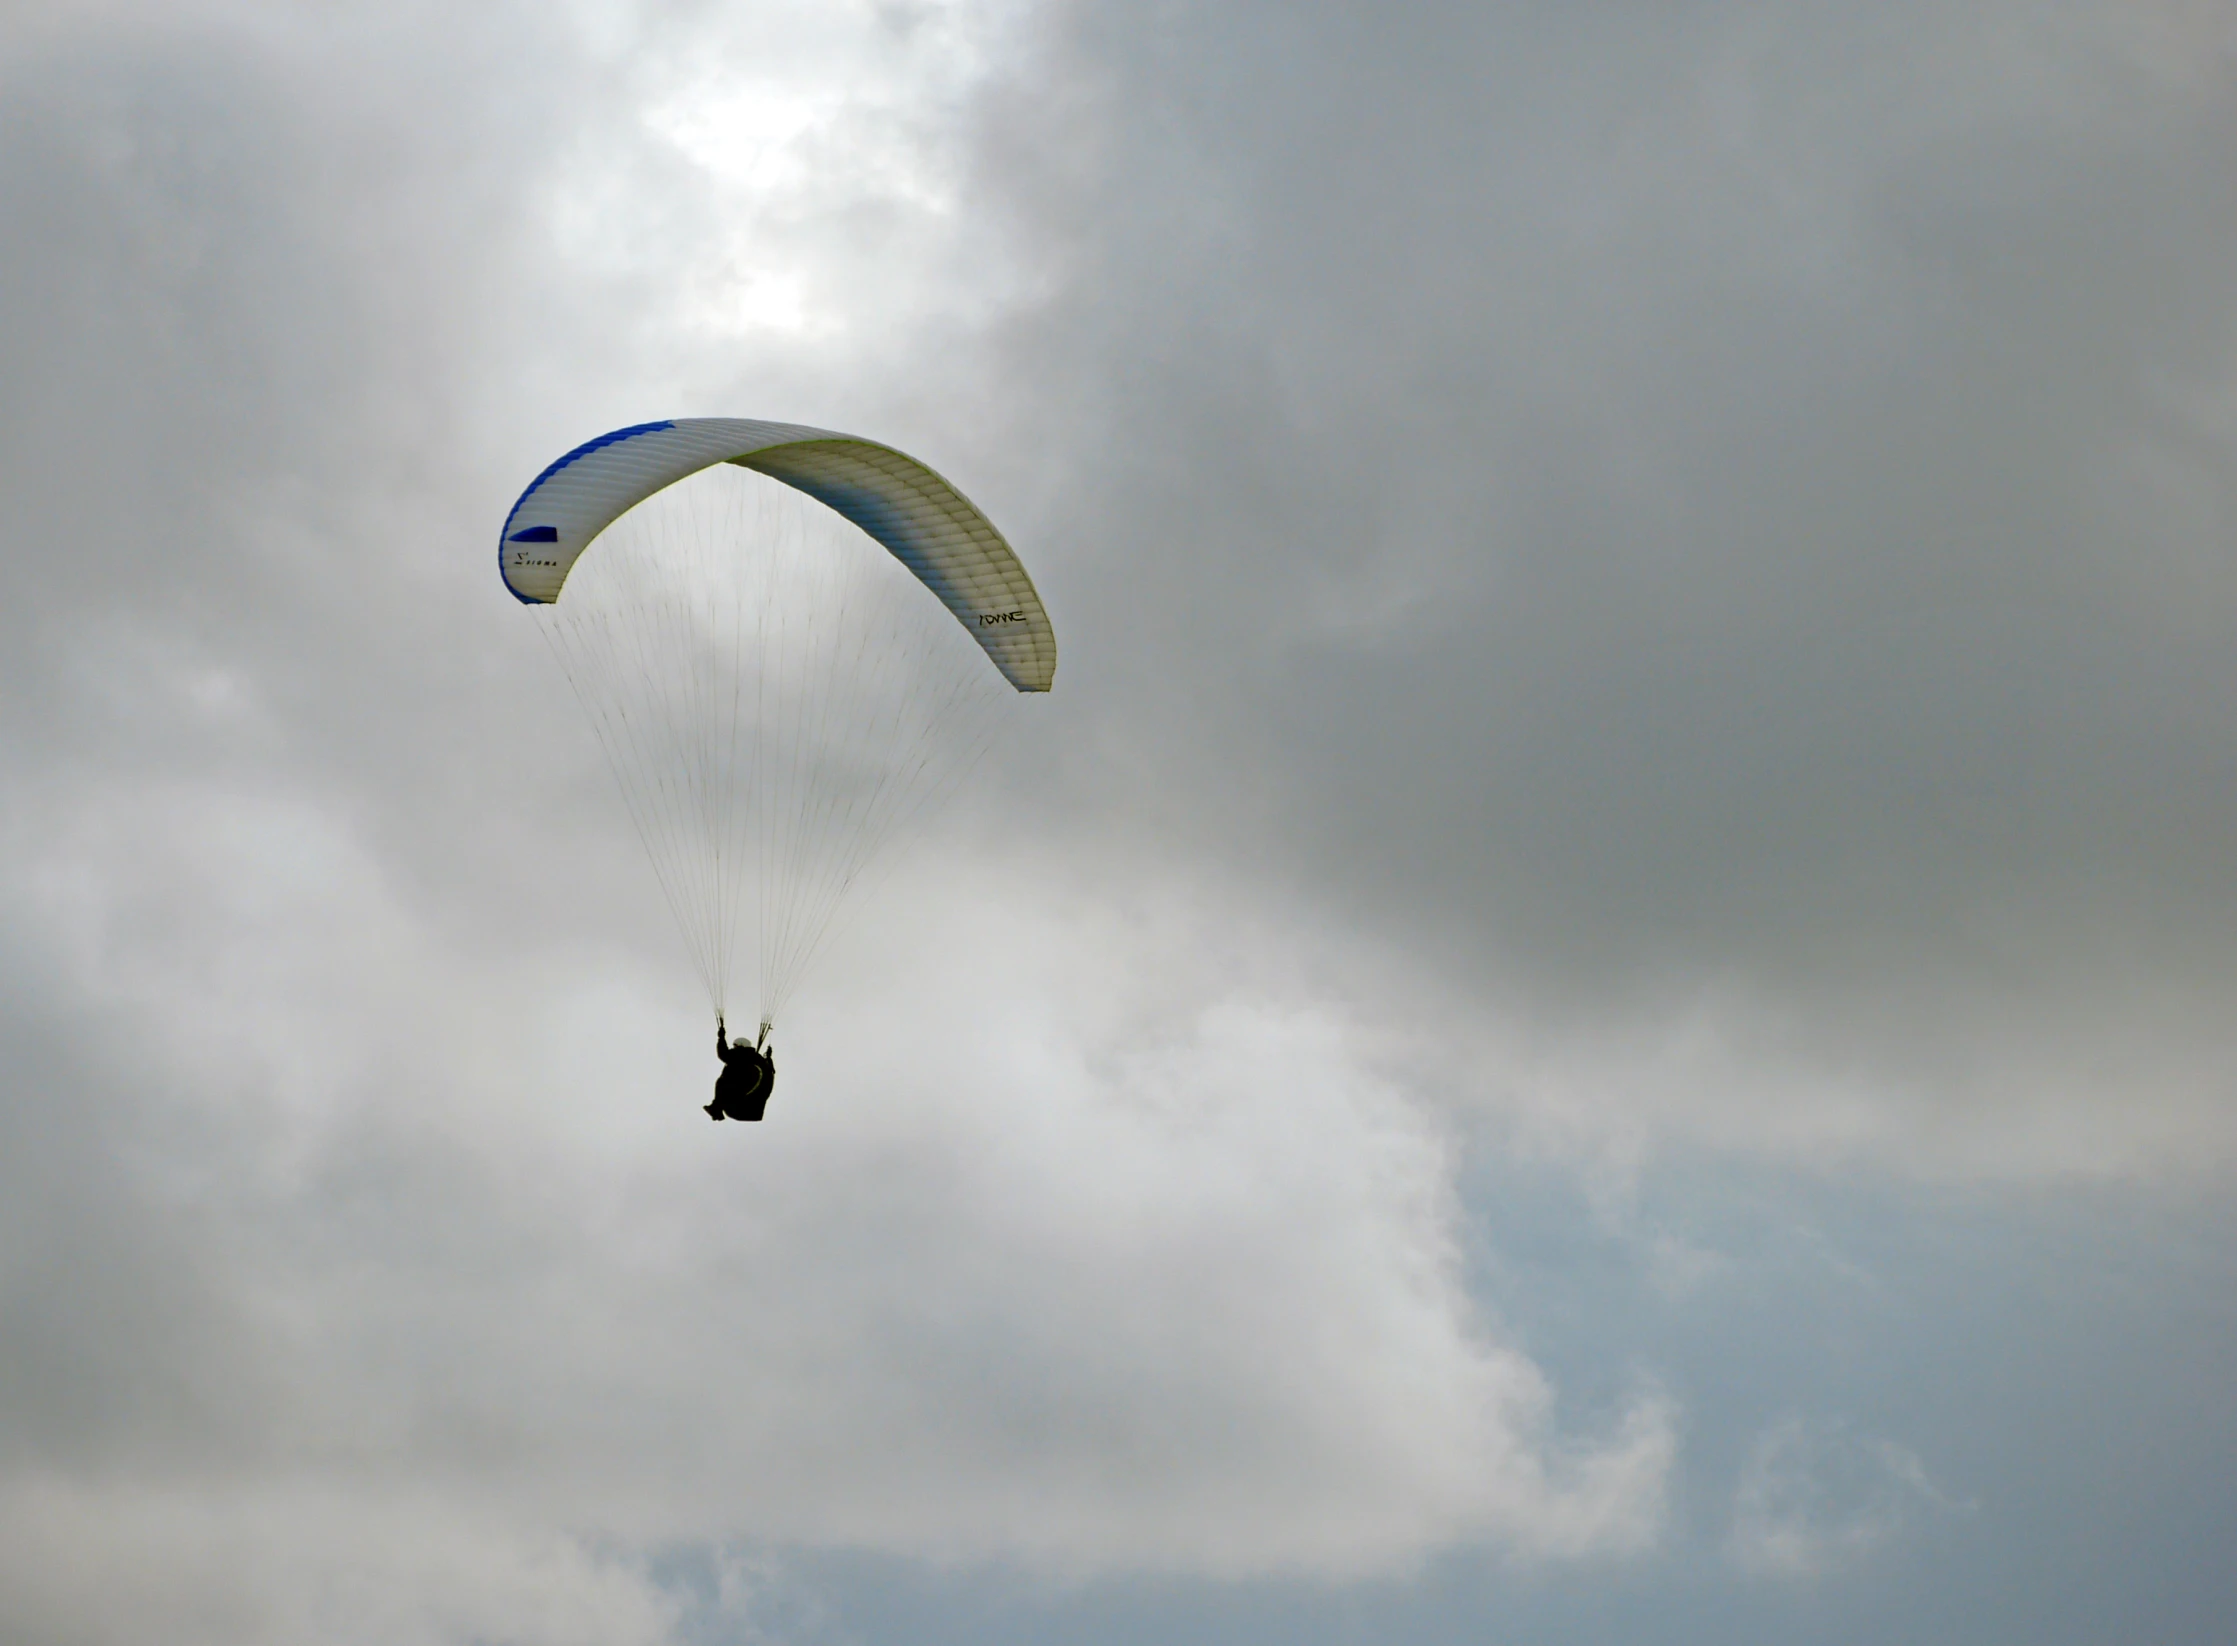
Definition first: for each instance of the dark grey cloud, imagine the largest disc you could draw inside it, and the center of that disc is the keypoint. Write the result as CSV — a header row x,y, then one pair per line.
x,y
1670,501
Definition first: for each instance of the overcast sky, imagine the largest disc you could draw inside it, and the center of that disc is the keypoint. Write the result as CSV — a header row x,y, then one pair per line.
x,y
1599,1009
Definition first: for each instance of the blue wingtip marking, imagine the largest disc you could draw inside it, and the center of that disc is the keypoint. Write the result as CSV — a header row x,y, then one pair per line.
x,y
550,534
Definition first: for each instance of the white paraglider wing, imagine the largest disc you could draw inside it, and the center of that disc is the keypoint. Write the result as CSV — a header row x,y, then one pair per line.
x,y
927,524
778,699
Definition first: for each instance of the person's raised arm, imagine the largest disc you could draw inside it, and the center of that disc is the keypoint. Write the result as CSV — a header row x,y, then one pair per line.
x,y
722,1046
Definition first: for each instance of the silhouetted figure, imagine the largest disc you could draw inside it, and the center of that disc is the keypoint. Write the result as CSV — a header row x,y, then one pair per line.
x,y
748,1075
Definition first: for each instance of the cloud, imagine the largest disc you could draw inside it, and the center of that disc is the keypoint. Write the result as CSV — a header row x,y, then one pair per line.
x,y
1182,1295
288,1562
1700,524
1814,1500
1596,585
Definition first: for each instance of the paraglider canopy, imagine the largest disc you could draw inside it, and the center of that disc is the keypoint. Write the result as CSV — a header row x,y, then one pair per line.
x,y
927,524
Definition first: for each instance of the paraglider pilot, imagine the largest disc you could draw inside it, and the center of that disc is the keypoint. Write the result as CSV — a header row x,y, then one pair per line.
x,y
748,1074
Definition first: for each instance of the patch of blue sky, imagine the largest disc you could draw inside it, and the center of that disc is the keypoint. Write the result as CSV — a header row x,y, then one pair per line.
x,y
1987,1417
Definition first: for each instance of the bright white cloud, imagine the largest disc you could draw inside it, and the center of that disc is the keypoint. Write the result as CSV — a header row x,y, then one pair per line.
x,y
811,161
1021,1266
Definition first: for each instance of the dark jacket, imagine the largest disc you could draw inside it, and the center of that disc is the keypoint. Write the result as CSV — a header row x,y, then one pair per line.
x,y
748,1075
